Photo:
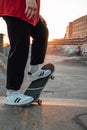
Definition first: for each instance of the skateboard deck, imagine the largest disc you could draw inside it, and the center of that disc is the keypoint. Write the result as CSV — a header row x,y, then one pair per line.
x,y
35,88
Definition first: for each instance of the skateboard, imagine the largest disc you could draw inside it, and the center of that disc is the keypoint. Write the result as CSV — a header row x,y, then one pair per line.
x,y
35,88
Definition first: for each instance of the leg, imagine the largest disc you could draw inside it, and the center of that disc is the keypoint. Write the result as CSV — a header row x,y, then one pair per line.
x,y
39,34
39,45
19,40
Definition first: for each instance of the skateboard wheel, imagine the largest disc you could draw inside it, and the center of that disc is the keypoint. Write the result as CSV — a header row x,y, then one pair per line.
x,y
52,77
39,101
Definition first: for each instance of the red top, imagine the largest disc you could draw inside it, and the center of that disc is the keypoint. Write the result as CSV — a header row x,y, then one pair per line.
x,y
16,8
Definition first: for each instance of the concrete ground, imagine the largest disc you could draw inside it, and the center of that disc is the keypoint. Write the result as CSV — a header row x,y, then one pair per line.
x,y
46,117
64,99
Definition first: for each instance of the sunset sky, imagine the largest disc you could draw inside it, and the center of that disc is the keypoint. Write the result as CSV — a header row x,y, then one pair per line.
x,y
58,13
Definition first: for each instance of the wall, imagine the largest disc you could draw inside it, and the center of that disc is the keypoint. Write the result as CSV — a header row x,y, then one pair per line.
x,y
77,28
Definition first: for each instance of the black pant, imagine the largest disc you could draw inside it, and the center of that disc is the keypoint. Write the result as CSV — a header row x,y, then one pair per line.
x,y
19,33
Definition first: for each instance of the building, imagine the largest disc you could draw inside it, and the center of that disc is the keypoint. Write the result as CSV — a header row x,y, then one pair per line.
x,y
77,28
75,37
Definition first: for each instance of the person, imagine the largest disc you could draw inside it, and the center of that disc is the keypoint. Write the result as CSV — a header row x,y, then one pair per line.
x,y
22,19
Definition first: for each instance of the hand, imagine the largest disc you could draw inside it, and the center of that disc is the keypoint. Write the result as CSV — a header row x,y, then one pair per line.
x,y
31,9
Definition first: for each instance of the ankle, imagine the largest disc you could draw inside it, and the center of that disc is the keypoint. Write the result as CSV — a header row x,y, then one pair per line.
x,y
33,68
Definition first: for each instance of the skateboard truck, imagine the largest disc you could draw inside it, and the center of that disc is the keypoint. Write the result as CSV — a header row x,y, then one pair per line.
x,y
39,102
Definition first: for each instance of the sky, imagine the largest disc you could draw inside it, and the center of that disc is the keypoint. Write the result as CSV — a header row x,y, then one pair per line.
x,y
58,13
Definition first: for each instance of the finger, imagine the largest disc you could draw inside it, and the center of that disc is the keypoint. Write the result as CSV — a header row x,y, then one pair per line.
x,y
28,13
32,14
26,10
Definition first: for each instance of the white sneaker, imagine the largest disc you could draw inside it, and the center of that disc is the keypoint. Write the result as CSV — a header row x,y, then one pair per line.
x,y
40,74
18,99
